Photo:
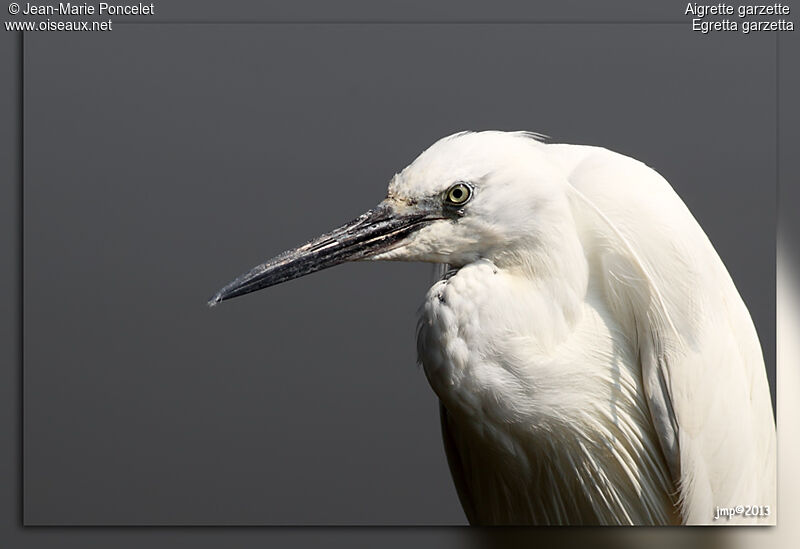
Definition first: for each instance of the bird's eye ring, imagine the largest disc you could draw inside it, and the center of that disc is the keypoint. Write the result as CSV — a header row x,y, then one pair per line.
x,y
458,194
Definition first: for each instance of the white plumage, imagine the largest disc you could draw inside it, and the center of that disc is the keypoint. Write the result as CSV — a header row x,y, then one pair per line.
x,y
594,360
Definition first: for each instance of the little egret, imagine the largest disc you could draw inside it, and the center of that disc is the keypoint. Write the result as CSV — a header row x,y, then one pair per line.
x,y
593,359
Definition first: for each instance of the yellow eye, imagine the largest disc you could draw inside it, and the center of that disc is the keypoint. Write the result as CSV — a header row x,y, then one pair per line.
x,y
458,194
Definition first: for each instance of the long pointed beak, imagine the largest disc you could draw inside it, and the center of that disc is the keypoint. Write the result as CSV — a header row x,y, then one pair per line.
x,y
375,231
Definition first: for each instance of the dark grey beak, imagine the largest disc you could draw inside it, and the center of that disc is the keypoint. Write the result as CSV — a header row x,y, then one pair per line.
x,y
373,232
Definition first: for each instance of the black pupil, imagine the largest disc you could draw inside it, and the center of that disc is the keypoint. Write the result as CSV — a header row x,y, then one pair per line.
x,y
457,194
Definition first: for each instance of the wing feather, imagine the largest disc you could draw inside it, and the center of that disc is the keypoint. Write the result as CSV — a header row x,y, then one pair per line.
x,y
702,366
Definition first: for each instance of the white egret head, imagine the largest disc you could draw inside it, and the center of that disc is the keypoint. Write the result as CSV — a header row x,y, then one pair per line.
x,y
469,196
489,194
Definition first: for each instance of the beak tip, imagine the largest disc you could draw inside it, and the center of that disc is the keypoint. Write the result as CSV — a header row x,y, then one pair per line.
x,y
214,301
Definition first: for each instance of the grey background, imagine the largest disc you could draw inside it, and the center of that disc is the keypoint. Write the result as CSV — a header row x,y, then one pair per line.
x,y
162,165
182,162
743,128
